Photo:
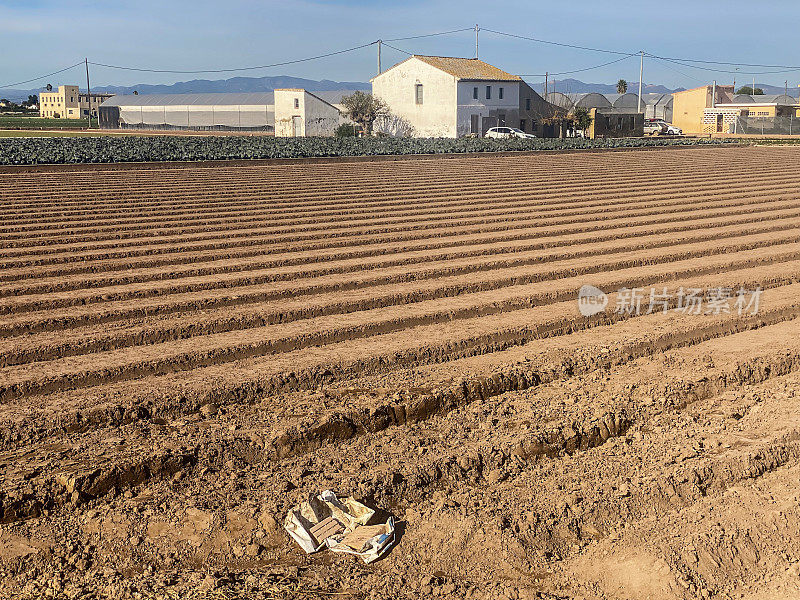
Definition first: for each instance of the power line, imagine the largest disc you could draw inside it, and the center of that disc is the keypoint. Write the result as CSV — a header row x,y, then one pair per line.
x,y
682,73
677,60
719,62
416,37
523,37
581,70
279,64
10,85
685,64
398,49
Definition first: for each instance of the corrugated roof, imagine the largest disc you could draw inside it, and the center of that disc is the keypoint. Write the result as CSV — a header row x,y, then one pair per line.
x,y
251,98
468,68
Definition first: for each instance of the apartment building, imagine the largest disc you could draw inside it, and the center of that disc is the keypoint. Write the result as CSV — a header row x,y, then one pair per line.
x,y
69,103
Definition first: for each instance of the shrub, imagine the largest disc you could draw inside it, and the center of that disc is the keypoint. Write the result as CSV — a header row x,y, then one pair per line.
x,y
346,130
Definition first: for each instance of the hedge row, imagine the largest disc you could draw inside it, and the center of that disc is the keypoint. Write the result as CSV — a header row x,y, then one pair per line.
x,y
29,151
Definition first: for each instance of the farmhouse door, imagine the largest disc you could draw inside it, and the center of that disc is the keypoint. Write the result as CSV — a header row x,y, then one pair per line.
x,y
473,123
297,126
719,123
487,123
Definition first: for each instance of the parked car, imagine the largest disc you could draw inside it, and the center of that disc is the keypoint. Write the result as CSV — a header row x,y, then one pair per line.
x,y
507,132
670,129
652,127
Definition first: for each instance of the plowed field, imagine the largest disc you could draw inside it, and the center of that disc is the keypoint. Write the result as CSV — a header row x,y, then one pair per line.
x,y
186,352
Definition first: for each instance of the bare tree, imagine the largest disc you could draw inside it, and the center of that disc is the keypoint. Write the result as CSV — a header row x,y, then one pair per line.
x,y
364,109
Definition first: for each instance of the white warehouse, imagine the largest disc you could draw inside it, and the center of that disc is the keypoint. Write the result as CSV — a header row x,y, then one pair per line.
x,y
286,112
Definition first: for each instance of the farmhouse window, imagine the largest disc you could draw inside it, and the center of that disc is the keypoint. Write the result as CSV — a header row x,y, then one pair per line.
x,y
527,103
418,93
474,93
522,124
296,103
500,94
488,92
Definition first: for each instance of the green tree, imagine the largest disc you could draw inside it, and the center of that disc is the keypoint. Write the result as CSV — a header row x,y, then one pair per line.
x,y
582,119
363,108
622,86
747,90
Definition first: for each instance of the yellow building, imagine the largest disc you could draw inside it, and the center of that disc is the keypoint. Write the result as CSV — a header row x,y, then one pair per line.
x,y
688,107
709,110
69,103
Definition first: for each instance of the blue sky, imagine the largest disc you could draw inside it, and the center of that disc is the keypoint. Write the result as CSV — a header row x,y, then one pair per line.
x,y
41,36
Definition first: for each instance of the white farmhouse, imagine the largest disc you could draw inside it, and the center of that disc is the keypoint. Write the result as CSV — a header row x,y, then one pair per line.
x,y
450,97
299,113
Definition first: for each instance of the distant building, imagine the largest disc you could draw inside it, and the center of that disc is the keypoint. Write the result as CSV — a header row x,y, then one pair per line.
x,y
613,115
69,103
287,112
299,113
716,109
442,96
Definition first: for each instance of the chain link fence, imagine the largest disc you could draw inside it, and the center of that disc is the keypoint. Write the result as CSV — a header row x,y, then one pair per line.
x,y
766,125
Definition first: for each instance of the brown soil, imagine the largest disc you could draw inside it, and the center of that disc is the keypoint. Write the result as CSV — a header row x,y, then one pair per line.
x,y
186,353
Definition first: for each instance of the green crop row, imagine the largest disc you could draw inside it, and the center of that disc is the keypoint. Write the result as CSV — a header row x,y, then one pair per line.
x,y
28,151
27,122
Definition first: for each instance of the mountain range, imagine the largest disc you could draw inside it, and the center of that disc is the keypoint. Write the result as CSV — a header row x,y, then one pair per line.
x,y
199,86
266,84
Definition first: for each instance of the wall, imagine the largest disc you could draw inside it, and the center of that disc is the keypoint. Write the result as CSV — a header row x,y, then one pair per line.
x,y
493,108
615,123
539,110
209,117
687,108
317,117
436,116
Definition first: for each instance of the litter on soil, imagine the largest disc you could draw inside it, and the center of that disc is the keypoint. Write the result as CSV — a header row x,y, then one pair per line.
x,y
324,521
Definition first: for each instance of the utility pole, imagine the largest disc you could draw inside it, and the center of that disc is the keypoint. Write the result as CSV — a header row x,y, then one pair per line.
x,y
477,29
753,91
545,85
641,71
379,56
88,93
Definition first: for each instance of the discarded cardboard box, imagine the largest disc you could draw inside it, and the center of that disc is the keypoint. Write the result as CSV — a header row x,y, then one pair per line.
x,y
324,521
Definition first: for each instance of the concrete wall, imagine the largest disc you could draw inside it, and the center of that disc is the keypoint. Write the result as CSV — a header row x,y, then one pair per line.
x,y
300,114
492,111
615,123
436,116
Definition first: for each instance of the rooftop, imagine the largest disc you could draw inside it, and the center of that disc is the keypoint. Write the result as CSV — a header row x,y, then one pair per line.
x,y
249,98
467,68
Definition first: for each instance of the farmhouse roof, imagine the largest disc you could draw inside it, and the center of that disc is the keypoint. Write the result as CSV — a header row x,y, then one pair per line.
x,y
467,68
